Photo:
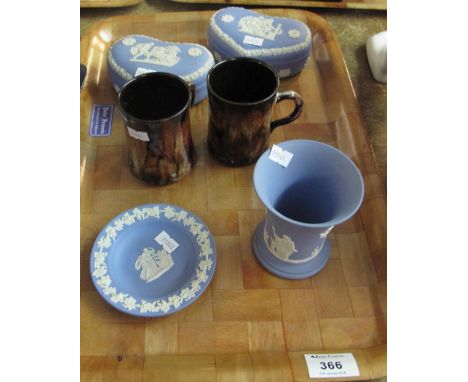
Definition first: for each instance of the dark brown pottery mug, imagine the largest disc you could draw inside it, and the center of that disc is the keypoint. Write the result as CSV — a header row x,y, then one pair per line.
x,y
242,93
155,108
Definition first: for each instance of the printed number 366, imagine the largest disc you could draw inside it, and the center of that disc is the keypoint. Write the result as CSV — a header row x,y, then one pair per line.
x,y
330,365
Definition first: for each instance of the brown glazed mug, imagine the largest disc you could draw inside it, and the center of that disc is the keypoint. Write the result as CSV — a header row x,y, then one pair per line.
x,y
155,108
242,93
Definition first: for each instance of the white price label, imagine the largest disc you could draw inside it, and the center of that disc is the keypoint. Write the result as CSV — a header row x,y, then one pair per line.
x,y
331,365
280,156
140,135
257,41
168,243
143,71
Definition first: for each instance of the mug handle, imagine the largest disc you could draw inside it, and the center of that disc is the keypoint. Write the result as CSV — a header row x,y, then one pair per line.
x,y
299,102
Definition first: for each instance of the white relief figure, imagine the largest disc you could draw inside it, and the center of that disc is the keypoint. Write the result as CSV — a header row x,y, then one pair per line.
x,y
187,294
146,306
130,303
118,224
169,212
260,26
266,237
128,219
128,41
109,290
194,52
284,73
164,305
315,252
227,19
180,216
155,212
282,247
105,281
160,55
153,264
104,242
101,271
175,300
294,33
324,234
111,232
196,229
118,297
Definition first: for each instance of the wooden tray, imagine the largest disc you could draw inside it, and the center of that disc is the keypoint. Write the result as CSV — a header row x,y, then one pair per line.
x,y
248,323
349,4
107,3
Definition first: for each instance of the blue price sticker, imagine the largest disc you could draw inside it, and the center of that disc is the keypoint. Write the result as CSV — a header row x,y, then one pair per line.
x,y
101,120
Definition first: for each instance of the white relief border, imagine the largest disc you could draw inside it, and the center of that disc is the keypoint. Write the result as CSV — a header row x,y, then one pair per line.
x,y
106,238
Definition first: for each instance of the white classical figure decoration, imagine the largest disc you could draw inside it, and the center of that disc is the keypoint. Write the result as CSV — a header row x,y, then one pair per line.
x,y
294,33
324,234
227,19
153,264
129,41
160,55
315,252
194,52
260,26
282,247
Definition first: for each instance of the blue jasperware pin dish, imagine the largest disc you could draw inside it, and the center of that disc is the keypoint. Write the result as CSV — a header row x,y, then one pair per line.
x,y
133,55
283,43
153,260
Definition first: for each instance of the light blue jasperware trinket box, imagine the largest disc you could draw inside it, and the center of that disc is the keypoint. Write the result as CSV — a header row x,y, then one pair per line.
x,y
283,43
133,55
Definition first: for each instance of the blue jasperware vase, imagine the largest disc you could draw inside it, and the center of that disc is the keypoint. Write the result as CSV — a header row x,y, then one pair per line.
x,y
320,188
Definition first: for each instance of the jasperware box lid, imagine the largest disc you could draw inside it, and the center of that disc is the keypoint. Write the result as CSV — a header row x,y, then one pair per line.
x,y
133,55
279,41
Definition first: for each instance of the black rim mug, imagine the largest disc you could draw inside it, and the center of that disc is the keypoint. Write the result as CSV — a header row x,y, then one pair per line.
x,y
155,108
242,93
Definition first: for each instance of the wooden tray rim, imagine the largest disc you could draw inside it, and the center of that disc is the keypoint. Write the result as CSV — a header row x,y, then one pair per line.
x,y
108,4
379,5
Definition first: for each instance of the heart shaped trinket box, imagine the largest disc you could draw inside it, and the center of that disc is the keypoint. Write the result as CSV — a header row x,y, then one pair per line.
x,y
137,54
283,43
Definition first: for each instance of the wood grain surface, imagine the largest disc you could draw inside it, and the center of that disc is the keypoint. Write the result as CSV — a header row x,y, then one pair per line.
x,y
107,3
346,4
248,325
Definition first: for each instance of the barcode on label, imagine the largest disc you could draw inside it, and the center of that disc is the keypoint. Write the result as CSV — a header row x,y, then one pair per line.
x,y
331,365
257,41
280,156
141,135
168,243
